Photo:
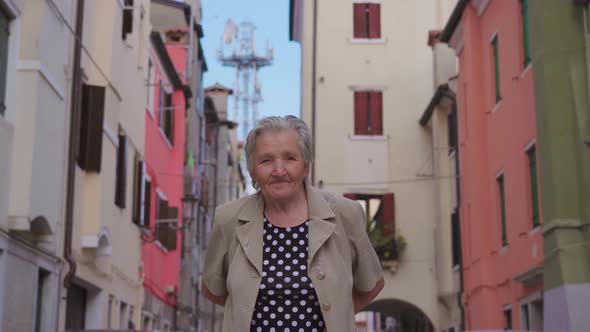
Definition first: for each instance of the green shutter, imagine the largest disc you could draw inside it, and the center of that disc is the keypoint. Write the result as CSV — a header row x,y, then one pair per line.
x,y
496,67
500,181
4,33
525,32
532,154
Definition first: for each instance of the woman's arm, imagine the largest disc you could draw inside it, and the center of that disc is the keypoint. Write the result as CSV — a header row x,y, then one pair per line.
x,y
362,299
219,300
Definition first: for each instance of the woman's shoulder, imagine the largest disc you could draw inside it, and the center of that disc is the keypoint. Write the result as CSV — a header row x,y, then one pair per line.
x,y
339,203
228,212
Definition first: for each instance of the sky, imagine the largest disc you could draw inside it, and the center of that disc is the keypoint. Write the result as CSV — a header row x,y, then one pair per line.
x,y
280,81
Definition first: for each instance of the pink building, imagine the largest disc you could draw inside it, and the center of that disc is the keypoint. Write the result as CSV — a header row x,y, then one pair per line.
x,y
502,244
163,184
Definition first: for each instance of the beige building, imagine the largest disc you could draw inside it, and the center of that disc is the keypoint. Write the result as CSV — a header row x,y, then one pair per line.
x,y
106,290
367,76
439,120
35,56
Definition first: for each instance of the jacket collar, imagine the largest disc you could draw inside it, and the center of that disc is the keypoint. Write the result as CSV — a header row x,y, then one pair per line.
x,y
251,217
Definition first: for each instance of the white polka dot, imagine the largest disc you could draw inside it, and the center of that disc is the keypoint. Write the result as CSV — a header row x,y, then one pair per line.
x,y
267,249
273,316
287,291
303,267
315,317
264,273
279,286
281,249
271,292
279,274
265,323
265,309
265,262
280,262
259,329
295,261
269,237
272,329
288,242
302,303
295,235
295,273
301,330
295,249
287,279
314,330
276,231
273,302
294,323
302,316
288,268
288,229
288,302
287,316
294,309
308,323
304,291
271,279
273,256
321,324
302,242
282,236
262,286
295,285
304,279
309,310
280,322
280,309
301,229
272,268
259,315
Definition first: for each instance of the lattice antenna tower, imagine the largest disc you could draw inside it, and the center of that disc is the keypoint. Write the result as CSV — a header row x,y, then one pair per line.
x,y
242,55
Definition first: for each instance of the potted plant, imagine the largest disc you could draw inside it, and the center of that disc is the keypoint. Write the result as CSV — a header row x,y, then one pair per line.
x,y
389,245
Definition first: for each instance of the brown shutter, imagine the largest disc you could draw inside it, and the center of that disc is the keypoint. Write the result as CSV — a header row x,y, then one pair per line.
x,y
388,213
4,34
91,123
350,196
374,21
147,204
376,109
137,187
169,118
359,18
127,25
360,113
121,181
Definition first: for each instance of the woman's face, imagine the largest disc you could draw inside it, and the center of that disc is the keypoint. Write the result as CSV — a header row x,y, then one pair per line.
x,y
279,168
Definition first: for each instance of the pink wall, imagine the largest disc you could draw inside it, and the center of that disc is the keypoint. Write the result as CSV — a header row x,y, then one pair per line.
x,y
164,165
492,139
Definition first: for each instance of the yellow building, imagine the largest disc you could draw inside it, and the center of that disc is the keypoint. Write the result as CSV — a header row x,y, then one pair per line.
x,y
106,290
366,78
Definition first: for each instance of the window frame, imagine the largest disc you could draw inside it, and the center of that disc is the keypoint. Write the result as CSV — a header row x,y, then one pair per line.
x,y
525,22
495,46
501,190
535,213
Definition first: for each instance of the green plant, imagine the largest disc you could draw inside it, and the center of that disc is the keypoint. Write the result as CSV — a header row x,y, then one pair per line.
x,y
388,245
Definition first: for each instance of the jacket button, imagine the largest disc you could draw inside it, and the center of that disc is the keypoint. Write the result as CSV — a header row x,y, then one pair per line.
x,y
321,276
326,306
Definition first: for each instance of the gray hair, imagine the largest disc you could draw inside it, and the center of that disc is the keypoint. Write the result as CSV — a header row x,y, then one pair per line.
x,y
278,123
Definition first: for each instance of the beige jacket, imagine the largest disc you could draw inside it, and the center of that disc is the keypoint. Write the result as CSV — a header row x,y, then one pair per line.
x,y
340,257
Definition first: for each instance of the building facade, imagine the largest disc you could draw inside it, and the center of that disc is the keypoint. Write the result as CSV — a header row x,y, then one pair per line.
x,y
104,278
364,82
502,242
34,113
559,35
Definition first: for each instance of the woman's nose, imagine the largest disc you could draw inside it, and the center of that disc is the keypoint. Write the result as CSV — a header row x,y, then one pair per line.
x,y
279,168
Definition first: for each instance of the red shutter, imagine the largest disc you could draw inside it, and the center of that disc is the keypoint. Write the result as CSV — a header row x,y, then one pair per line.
x,y
360,113
388,213
374,21
360,24
376,110
350,196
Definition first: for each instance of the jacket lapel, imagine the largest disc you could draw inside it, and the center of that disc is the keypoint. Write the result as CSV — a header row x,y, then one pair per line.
x,y
321,221
250,232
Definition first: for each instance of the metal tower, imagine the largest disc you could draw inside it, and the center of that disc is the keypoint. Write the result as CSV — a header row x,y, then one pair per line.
x,y
242,56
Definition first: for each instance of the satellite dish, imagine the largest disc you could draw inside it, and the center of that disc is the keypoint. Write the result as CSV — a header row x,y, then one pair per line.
x,y
230,31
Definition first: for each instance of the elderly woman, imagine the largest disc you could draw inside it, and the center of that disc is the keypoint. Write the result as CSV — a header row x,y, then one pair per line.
x,y
290,257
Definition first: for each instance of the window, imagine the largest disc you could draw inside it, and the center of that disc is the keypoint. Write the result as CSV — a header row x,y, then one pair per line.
x,y
127,24
496,64
138,192
76,308
367,20
526,44
123,316
166,114
452,133
508,319
532,160
501,197
368,113
90,129
147,206
456,238
526,319
378,208
121,180
110,311
4,34
167,218
42,289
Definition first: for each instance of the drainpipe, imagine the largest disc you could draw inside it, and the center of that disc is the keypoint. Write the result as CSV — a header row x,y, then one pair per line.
x,y
75,106
313,89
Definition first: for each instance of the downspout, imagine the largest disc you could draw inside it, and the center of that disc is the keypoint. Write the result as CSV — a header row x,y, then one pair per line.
x,y
313,89
73,145
216,165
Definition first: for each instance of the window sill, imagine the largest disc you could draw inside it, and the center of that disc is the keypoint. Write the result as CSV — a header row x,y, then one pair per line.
x,y
367,40
150,111
457,268
161,246
525,71
496,107
166,139
368,137
535,231
504,250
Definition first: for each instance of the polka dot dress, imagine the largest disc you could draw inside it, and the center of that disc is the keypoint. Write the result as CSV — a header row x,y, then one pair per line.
x,y
286,299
